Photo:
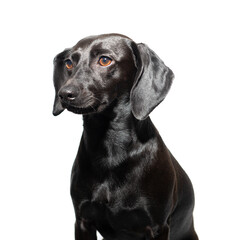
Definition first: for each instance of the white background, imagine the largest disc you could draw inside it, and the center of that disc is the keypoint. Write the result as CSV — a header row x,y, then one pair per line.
x,y
199,119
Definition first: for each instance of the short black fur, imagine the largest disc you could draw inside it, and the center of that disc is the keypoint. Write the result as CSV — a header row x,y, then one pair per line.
x,y
125,183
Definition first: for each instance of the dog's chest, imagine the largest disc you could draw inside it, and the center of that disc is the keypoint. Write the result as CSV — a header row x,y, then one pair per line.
x,y
116,210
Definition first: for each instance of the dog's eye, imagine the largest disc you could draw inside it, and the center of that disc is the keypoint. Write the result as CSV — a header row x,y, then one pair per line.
x,y
68,64
105,61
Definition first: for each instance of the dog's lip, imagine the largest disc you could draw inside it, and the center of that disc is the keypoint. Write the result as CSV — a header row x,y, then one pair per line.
x,y
81,110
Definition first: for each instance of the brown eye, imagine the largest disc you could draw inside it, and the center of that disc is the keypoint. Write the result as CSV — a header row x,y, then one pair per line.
x,y
68,64
105,61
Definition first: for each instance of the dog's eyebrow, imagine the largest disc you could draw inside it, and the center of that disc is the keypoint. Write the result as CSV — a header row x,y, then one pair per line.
x,y
76,57
100,51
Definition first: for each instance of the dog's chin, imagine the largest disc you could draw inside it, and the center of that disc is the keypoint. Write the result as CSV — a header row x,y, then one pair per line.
x,y
78,110
84,110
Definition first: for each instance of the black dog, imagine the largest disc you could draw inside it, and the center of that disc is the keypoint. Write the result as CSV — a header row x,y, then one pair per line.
x,y
125,183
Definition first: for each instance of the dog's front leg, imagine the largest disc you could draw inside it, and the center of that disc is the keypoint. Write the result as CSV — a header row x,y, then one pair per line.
x,y
84,231
162,234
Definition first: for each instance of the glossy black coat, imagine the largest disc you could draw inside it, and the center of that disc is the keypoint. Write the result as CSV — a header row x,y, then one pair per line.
x,y
125,183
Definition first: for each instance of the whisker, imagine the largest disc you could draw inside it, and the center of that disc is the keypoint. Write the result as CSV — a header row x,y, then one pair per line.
x,y
96,98
90,101
93,108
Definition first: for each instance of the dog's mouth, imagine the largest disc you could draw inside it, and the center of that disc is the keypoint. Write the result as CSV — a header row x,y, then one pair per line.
x,y
82,110
79,110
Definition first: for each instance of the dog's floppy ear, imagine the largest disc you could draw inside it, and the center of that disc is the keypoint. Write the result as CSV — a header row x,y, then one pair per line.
x,y
152,83
57,106
57,79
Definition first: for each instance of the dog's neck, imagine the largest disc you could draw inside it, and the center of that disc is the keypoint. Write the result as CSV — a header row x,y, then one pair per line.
x,y
113,132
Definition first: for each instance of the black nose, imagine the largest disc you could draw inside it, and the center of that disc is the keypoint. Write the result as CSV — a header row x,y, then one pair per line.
x,y
68,93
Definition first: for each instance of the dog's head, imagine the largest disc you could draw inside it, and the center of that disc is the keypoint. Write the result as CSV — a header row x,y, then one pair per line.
x,y
99,69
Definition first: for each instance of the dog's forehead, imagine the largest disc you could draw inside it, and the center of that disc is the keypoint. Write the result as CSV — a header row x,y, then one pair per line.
x,y
113,42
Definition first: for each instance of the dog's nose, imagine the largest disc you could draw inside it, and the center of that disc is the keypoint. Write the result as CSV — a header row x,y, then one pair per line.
x,y
68,93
